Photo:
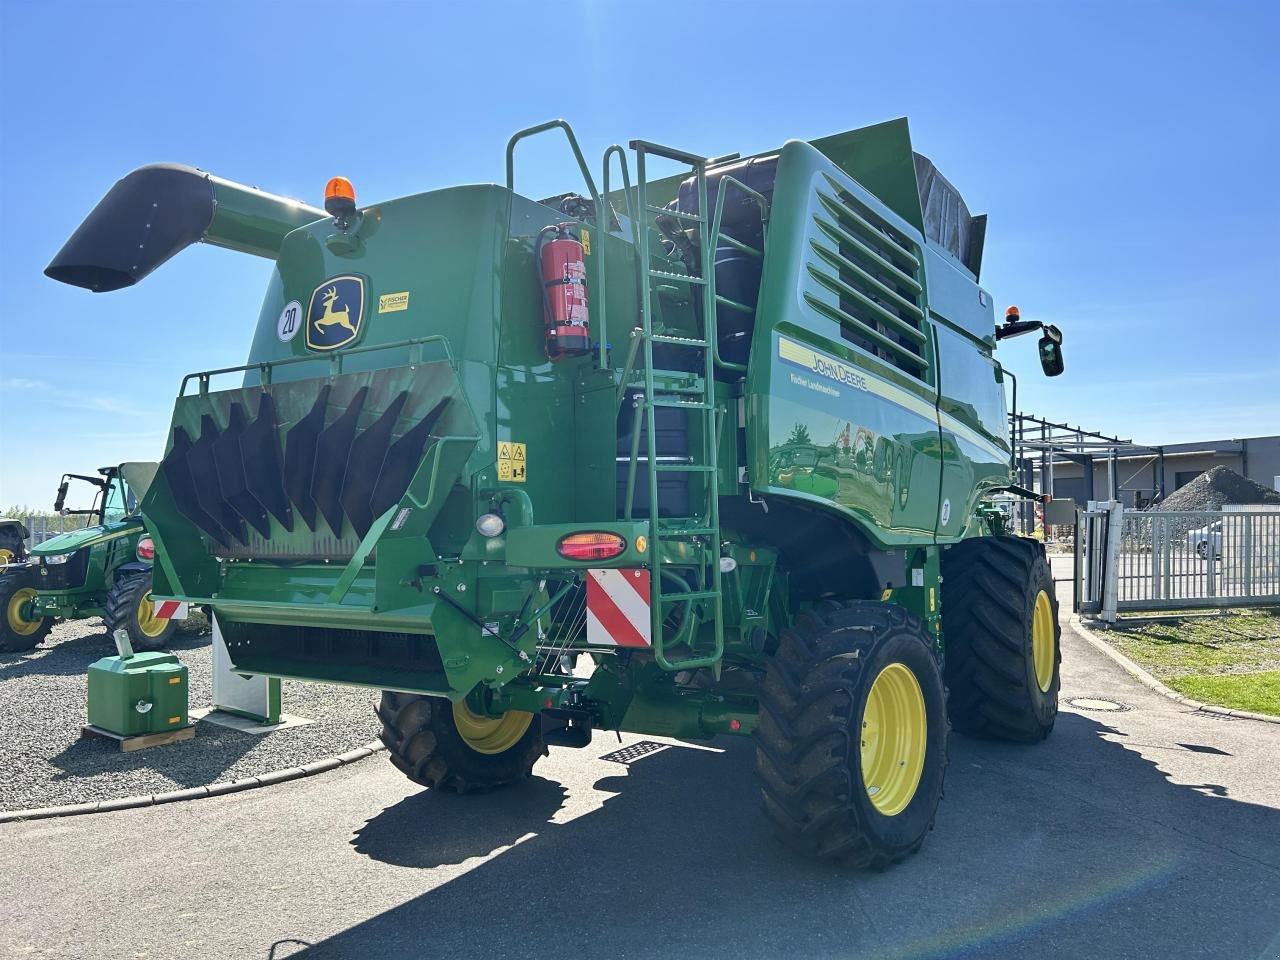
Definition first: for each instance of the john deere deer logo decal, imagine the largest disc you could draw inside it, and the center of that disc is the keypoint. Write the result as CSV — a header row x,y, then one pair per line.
x,y
337,307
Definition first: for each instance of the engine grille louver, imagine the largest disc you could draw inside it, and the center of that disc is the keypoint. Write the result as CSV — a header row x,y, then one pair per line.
x,y
331,472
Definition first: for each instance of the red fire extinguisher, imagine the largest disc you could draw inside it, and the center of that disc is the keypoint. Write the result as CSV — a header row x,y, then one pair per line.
x,y
564,292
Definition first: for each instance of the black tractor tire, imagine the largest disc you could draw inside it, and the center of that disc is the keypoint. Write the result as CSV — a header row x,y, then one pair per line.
x,y
813,729
16,633
12,547
127,596
990,588
424,744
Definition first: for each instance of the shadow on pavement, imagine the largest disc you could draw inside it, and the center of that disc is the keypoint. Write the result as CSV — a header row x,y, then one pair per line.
x,y
1079,847
474,826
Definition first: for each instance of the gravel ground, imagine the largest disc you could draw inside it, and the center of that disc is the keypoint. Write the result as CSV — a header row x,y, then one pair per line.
x,y
44,762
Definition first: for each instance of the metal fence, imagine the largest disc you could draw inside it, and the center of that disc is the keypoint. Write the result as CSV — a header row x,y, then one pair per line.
x,y
1136,560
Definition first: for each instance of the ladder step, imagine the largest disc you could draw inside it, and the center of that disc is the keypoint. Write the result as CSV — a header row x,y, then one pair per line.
x,y
680,597
683,468
688,532
680,404
678,341
692,217
678,277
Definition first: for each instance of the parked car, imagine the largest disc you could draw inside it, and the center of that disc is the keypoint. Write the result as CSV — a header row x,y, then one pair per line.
x,y
1206,541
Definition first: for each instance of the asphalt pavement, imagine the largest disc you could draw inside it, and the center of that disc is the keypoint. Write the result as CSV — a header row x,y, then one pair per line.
x,y
1152,831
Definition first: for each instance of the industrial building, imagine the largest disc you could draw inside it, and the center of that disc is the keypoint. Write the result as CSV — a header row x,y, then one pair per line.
x,y
1078,464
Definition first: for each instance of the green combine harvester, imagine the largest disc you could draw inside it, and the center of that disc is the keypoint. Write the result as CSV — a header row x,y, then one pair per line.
x,y
731,434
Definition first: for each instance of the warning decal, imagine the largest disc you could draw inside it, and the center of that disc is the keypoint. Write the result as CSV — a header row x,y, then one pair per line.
x,y
618,608
511,461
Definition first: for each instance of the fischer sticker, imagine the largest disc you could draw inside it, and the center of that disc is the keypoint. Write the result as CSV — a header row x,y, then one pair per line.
x,y
511,461
585,240
393,302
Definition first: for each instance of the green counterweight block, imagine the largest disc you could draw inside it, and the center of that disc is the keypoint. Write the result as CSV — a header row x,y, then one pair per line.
x,y
145,693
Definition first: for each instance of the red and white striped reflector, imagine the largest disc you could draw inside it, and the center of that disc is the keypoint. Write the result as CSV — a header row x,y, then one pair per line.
x,y
618,608
170,609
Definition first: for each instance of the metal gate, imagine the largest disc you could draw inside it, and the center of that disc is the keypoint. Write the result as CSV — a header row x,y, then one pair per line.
x,y
1158,560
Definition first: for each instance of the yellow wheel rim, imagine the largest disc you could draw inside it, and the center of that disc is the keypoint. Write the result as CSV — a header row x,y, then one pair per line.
x,y
6,555
148,622
490,734
1042,641
13,613
895,733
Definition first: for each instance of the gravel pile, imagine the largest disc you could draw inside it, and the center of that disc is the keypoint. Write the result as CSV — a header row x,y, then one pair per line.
x,y
44,762
1216,488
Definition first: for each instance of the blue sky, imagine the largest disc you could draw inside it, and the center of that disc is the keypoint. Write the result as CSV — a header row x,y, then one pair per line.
x,y
1124,153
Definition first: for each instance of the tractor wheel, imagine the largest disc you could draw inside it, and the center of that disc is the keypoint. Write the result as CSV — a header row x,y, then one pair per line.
x,y
129,606
1000,622
12,549
852,743
449,747
17,633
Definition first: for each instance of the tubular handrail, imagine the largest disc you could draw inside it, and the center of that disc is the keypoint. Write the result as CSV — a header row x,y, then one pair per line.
x,y
264,367
573,145
626,178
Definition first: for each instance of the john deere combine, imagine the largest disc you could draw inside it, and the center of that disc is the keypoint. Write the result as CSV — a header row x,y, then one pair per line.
x,y
730,433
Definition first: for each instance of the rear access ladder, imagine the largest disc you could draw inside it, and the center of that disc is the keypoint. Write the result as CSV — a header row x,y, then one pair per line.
x,y
697,534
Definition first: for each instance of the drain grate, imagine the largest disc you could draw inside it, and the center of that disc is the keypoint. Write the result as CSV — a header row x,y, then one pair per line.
x,y
1098,704
633,752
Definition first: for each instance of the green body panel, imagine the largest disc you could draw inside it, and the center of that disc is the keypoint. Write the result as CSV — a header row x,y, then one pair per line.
x,y
870,418
893,451
118,686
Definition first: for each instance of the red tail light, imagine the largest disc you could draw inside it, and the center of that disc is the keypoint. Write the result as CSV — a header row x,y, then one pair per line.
x,y
146,549
591,546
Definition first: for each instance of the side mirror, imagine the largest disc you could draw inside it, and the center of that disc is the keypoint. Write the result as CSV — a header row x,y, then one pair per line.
x,y
62,497
1051,351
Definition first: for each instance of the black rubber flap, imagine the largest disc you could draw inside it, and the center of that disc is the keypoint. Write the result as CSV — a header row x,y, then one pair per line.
x,y
177,473
231,472
333,449
204,474
147,217
300,458
260,454
403,460
368,453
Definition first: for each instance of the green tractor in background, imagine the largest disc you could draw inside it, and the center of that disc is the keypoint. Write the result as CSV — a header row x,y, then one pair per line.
x,y
481,438
101,570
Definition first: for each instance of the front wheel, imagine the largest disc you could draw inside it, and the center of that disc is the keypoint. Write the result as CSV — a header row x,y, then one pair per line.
x,y
19,628
129,607
448,746
851,749
1000,623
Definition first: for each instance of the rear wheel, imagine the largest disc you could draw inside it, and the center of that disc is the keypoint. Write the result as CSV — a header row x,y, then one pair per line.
x,y
129,606
19,628
1000,621
12,548
451,747
852,744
